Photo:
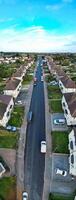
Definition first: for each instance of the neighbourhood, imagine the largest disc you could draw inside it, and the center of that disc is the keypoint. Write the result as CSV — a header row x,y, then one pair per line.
x,y
16,92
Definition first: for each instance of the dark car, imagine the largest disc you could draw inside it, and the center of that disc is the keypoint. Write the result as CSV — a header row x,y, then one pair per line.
x,y
29,116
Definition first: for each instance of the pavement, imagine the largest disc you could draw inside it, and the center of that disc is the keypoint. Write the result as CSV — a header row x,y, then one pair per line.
x,y
21,147
48,163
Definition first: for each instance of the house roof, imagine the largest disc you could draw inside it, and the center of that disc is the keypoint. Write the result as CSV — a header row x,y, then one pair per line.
x,y
71,101
12,84
4,101
67,82
19,71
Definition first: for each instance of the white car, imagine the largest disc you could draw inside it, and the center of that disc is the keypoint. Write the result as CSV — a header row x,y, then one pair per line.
x,y
25,196
59,121
42,78
43,146
61,172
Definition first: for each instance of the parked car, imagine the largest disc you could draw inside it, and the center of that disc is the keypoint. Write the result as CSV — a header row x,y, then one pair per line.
x,y
61,172
43,146
18,102
53,83
25,196
59,121
11,128
29,116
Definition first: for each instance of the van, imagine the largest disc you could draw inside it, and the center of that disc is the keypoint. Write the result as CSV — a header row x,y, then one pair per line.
x,y
29,116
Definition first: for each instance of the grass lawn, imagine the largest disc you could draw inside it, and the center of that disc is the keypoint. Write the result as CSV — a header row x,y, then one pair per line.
x,y
49,78
27,79
55,106
8,139
8,188
60,142
2,85
54,92
17,116
60,197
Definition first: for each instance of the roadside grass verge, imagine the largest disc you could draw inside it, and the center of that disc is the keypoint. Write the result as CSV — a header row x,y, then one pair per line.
x,y
55,106
8,188
60,142
8,139
60,197
17,116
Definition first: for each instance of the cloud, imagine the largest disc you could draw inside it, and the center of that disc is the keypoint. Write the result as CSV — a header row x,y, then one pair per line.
x,y
5,19
67,1
53,7
35,39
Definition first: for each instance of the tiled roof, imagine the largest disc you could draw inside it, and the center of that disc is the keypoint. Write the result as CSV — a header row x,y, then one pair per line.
x,y
67,82
71,101
4,101
12,84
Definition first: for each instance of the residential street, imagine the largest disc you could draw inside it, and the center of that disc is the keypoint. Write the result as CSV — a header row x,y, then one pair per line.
x,y
34,160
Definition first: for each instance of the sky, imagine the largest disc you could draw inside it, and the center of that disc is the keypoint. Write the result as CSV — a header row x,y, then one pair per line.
x,y
38,26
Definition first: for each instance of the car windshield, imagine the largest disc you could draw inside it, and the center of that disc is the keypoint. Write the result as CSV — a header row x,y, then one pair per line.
x,y
63,172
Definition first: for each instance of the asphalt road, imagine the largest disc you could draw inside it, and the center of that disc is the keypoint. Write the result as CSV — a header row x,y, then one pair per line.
x,y
34,159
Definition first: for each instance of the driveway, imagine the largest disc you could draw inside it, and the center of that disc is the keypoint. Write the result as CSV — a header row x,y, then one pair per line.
x,y
58,127
61,184
22,97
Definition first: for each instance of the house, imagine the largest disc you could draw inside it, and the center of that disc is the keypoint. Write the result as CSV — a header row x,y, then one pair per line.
x,y
2,169
66,85
72,150
13,87
20,73
6,106
69,108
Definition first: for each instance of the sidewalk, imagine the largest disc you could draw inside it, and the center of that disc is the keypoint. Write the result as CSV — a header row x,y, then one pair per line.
x,y
47,175
21,147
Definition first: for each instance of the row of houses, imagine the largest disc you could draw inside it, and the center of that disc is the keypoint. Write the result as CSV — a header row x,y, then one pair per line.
x,y
11,59
68,89
11,91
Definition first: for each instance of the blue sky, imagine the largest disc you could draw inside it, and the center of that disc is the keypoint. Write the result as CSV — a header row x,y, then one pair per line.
x,y
36,25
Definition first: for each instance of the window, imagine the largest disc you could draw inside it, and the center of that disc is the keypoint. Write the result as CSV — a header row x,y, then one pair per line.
x,y
7,114
66,112
72,159
63,104
71,145
10,106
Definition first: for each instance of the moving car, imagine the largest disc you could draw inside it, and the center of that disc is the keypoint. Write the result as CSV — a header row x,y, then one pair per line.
x,y
11,128
25,196
29,116
43,146
61,172
59,121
